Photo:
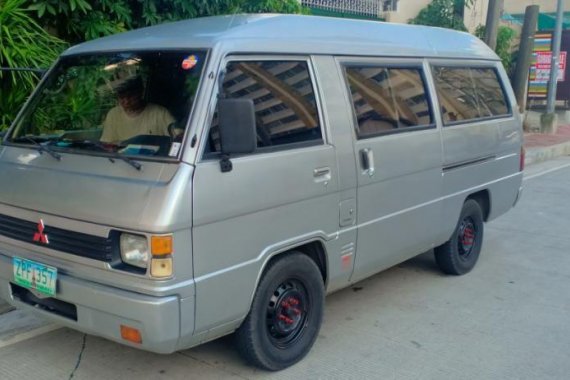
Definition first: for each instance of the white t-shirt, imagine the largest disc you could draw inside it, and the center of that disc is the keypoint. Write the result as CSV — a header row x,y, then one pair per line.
x,y
119,126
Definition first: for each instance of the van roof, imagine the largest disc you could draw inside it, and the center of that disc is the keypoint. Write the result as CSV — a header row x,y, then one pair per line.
x,y
273,33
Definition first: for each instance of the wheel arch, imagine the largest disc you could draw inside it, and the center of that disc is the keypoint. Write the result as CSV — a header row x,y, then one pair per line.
x,y
314,248
483,198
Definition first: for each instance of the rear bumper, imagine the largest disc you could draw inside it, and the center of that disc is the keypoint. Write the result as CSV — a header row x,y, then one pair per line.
x,y
519,195
101,310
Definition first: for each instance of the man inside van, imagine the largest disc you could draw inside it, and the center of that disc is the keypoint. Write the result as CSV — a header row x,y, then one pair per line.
x,y
133,116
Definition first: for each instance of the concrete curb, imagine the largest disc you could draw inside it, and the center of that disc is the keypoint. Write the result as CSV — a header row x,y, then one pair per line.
x,y
19,325
541,154
4,307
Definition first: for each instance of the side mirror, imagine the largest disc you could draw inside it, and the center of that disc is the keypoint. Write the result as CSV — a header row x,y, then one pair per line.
x,y
236,120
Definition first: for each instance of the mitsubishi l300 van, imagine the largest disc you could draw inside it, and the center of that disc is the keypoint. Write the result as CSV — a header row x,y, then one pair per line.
x,y
171,185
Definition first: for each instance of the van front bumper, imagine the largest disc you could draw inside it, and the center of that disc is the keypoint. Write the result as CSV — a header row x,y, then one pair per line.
x,y
101,310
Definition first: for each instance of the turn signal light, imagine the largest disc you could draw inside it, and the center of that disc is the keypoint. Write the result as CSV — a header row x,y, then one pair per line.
x,y
131,334
161,245
521,163
161,267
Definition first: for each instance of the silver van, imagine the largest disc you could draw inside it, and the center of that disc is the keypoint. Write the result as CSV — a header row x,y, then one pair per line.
x,y
168,186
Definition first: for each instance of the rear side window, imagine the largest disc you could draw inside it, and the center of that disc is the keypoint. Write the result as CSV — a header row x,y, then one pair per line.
x,y
492,100
467,94
388,99
284,99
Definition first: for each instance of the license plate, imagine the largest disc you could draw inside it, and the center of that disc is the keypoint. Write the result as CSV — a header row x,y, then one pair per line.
x,y
32,275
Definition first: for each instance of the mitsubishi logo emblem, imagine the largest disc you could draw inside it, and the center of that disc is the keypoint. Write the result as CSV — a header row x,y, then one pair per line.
x,y
39,236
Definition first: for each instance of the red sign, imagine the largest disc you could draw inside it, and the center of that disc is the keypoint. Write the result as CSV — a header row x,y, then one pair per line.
x,y
543,65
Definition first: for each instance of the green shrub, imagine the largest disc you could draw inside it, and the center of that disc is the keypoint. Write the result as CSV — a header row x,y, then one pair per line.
x,y
504,49
23,43
444,14
80,20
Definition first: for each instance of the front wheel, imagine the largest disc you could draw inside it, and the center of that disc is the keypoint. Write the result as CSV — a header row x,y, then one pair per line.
x,y
460,253
286,314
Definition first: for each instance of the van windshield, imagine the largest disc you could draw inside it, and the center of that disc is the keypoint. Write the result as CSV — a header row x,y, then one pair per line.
x,y
126,103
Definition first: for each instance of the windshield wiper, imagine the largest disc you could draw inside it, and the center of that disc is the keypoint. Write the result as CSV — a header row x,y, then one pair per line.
x,y
42,147
114,155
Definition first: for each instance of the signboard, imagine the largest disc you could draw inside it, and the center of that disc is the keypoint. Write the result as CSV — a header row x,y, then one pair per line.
x,y
541,67
542,61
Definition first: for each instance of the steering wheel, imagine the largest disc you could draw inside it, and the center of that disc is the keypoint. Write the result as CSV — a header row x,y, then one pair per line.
x,y
175,133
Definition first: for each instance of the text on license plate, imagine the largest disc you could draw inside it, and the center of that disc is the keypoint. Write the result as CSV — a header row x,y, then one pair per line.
x,y
32,275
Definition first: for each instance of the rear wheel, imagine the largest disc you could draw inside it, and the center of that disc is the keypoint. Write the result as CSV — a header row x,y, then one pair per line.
x,y
286,314
460,253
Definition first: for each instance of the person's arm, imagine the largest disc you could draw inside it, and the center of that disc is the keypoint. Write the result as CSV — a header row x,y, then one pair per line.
x,y
164,120
109,134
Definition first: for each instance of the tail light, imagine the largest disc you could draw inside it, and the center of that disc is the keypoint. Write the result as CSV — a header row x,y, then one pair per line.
x,y
521,163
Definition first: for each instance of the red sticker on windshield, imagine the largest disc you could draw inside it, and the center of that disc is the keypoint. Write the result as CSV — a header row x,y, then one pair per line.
x,y
189,62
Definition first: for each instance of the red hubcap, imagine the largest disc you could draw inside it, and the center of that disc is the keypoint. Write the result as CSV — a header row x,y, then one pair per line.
x,y
290,311
287,313
467,234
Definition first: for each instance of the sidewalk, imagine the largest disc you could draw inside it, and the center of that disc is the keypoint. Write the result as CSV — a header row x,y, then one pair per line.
x,y
541,147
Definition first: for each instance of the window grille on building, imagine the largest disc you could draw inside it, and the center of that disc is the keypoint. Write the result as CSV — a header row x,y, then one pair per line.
x,y
371,8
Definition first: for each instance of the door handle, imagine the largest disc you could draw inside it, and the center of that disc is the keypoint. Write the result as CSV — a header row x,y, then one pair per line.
x,y
367,161
320,172
322,175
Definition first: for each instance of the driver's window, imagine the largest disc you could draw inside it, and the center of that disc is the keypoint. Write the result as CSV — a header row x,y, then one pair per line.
x,y
284,98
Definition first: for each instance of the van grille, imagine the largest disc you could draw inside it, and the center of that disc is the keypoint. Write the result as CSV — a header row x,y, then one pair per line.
x,y
75,243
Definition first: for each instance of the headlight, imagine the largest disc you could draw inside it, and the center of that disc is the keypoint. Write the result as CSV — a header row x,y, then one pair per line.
x,y
134,250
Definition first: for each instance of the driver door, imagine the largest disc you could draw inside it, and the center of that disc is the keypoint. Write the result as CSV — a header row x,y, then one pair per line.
x,y
283,193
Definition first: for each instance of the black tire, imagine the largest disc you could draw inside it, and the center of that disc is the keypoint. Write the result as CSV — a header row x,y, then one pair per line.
x,y
285,315
460,253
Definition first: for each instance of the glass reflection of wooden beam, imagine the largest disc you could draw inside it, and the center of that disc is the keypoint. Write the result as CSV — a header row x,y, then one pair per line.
x,y
377,97
449,98
406,77
287,94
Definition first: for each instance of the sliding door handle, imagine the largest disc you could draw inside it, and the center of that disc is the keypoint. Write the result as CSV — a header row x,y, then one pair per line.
x,y
367,161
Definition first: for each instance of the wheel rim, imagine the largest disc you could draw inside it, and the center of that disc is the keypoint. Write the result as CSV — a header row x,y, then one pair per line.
x,y
287,313
466,237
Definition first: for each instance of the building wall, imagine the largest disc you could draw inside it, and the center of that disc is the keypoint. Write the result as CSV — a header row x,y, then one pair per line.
x,y
476,15
407,9
546,6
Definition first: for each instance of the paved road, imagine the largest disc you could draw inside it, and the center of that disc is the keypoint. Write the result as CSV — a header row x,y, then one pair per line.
x,y
508,319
